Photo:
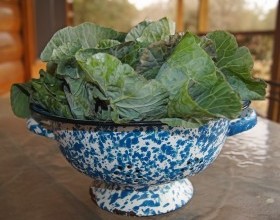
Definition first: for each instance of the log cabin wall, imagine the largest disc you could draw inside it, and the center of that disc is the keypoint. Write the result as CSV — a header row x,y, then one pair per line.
x,y
11,45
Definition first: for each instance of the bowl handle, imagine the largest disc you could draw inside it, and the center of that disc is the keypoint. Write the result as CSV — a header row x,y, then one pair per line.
x,y
246,121
40,128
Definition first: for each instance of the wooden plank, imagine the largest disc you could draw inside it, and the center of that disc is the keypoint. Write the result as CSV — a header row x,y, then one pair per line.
x,y
9,16
274,106
11,65
10,46
28,36
202,16
248,33
180,16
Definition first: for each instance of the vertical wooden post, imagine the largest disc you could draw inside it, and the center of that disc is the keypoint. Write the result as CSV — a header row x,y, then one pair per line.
x,y
274,106
69,12
28,36
11,45
180,16
202,26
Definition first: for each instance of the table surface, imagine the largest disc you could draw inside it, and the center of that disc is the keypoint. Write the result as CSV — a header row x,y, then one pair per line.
x,y
36,182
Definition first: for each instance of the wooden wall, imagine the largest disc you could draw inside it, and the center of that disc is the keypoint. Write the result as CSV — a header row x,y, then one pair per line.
x,y
11,45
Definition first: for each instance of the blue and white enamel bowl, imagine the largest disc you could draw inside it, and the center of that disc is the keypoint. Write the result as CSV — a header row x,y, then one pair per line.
x,y
141,168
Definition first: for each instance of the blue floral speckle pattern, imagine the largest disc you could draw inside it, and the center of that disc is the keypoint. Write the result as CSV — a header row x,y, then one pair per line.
x,y
137,169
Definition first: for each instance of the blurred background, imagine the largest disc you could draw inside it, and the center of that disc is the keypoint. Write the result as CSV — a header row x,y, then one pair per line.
x,y
27,25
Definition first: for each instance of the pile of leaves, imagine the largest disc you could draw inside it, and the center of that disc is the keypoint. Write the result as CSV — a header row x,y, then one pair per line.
x,y
150,73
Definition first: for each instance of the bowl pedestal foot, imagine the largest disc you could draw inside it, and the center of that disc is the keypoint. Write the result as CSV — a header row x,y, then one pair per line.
x,y
147,201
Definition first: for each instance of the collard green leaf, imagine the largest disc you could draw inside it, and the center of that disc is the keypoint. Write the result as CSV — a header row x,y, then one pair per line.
x,y
65,51
51,67
71,39
208,45
20,95
148,74
107,43
150,32
196,89
127,52
80,99
137,31
152,57
131,96
49,94
236,64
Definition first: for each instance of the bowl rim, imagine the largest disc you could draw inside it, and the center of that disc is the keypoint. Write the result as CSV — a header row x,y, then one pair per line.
x,y
38,112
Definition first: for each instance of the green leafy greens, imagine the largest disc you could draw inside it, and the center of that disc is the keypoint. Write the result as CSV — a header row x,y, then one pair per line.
x,y
150,73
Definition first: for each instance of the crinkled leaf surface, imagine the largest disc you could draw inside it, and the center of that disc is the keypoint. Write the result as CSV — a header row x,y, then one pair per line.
x,y
101,74
127,52
80,98
131,96
150,32
71,39
152,57
107,43
137,31
49,94
196,89
236,64
64,52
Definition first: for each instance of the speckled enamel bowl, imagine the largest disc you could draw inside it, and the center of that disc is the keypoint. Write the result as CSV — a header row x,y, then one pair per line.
x,y
141,168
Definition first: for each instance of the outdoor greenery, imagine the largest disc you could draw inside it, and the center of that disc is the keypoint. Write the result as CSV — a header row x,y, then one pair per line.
x,y
117,14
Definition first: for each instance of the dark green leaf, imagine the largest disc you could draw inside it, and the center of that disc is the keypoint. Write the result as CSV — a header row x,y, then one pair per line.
x,y
20,95
152,57
49,94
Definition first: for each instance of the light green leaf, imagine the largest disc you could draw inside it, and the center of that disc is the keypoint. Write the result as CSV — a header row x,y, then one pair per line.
x,y
107,43
137,31
236,64
150,32
71,39
131,96
65,51
196,89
